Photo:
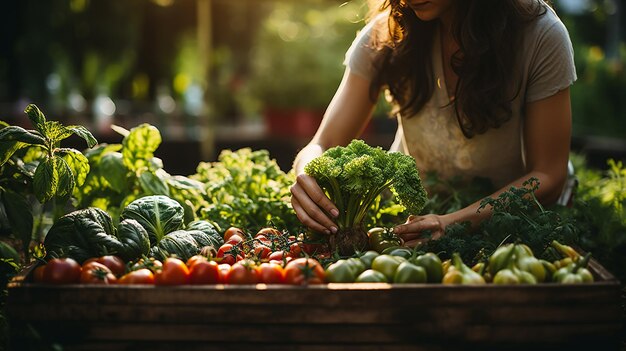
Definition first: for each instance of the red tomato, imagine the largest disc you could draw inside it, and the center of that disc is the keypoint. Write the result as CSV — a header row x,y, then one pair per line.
x,y
233,231
61,271
269,232
96,273
234,239
278,255
229,254
152,264
261,251
295,250
114,263
38,274
271,273
223,268
195,259
304,271
204,272
243,272
140,276
174,272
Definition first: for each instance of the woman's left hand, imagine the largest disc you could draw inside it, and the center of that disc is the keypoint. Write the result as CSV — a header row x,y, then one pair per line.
x,y
412,230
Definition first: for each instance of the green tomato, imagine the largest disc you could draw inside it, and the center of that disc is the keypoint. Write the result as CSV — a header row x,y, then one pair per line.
x,y
371,276
387,265
433,266
409,273
357,265
368,257
382,238
340,272
401,252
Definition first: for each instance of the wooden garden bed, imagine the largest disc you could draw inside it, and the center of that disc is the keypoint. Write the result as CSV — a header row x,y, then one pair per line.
x,y
327,317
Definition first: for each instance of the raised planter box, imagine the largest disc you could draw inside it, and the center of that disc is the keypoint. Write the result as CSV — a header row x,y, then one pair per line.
x,y
327,317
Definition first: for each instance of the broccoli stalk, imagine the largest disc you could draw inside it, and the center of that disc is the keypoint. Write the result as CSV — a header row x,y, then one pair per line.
x,y
353,177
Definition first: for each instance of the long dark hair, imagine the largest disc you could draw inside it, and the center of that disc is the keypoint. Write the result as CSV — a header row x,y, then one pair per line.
x,y
488,33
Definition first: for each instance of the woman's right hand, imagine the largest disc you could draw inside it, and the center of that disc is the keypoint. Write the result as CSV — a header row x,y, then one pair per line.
x,y
312,206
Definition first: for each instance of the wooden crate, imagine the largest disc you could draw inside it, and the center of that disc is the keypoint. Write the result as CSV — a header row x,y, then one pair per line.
x,y
328,317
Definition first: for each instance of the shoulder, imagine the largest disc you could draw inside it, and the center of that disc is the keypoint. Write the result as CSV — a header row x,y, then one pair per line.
x,y
546,28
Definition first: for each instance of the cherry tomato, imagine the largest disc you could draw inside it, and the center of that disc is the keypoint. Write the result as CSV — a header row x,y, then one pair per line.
x,y
61,271
268,232
233,231
261,251
229,254
114,263
294,249
174,272
243,272
204,272
140,276
96,273
304,271
271,273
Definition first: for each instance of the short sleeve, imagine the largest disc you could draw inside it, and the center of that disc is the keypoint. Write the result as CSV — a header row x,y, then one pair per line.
x,y
360,55
552,68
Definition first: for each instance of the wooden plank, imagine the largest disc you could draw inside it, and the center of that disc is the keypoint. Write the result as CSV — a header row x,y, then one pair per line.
x,y
444,315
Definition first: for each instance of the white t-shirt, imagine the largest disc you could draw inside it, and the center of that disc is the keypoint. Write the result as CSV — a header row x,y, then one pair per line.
x,y
433,136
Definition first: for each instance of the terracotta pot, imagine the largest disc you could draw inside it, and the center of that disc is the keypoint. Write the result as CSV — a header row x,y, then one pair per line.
x,y
292,122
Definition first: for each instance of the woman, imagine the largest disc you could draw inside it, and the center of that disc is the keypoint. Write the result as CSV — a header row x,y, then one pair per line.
x,y
481,88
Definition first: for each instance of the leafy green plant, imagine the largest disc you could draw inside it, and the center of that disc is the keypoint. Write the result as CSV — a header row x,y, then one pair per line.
x,y
32,163
517,217
247,189
122,173
354,176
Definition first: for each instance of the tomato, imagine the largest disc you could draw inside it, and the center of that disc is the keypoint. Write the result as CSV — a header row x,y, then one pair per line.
x,y
152,264
96,273
368,257
261,251
382,238
387,265
243,272
114,263
234,239
140,276
271,273
341,271
294,249
223,268
61,271
195,259
204,272
38,274
229,254
278,255
304,271
269,232
409,273
174,272
433,266
371,276
233,231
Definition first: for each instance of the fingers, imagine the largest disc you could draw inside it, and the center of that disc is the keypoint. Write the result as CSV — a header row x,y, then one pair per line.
x,y
412,232
308,200
315,193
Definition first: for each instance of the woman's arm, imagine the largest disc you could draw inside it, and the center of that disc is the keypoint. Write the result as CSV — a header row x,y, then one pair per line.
x,y
547,132
346,117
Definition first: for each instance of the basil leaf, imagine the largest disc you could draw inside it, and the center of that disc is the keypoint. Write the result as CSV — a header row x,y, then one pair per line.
x,y
151,184
46,180
139,146
78,164
85,134
66,183
113,170
36,117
